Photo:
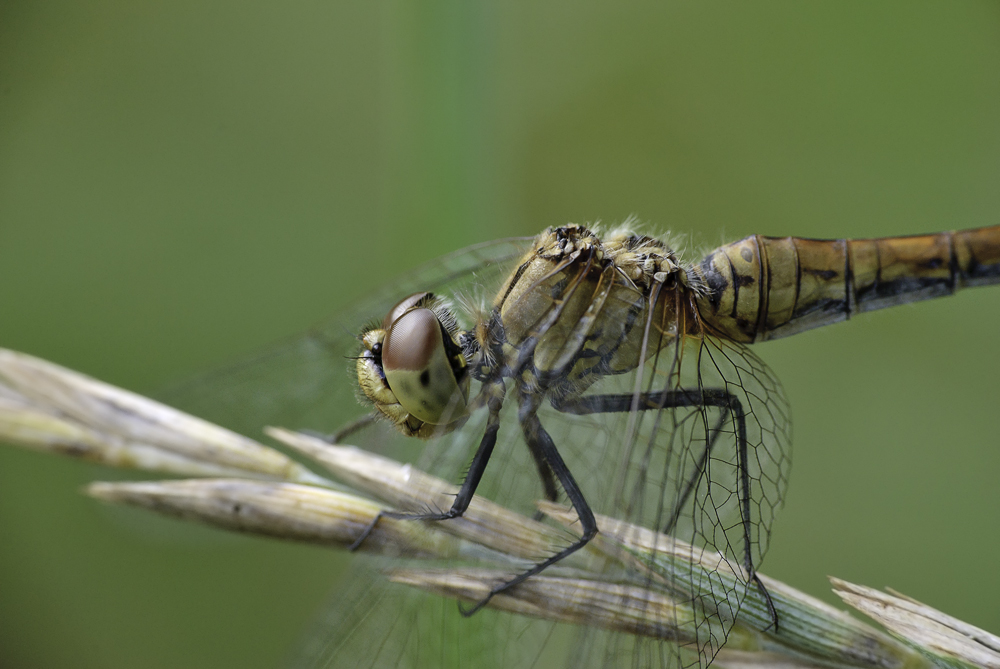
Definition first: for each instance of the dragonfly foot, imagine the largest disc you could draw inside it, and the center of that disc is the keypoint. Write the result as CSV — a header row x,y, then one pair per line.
x,y
364,533
770,603
467,612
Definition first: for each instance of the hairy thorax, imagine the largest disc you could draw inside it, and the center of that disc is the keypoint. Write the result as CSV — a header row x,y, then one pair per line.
x,y
581,306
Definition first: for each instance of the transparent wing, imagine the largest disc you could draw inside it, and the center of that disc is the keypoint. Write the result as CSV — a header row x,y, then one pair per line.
x,y
308,381
373,624
693,442
701,453
680,469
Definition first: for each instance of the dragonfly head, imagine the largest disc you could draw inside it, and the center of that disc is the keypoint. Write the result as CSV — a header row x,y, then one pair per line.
x,y
412,368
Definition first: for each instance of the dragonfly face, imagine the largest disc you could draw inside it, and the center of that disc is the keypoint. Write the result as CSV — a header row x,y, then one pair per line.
x,y
413,369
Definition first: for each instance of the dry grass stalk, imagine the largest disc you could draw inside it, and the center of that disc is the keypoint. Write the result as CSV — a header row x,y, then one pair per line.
x,y
48,408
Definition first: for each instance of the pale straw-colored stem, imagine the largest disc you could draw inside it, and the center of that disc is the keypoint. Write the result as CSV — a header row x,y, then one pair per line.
x,y
658,580
50,408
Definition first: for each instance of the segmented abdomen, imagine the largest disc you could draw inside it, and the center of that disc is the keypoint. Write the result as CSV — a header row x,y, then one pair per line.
x,y
763,288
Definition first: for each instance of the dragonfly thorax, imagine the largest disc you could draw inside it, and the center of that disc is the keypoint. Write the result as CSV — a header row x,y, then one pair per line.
x,y
579,307
575,308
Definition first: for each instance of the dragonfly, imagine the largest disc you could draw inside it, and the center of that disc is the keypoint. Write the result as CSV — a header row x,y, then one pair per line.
x,y
597,369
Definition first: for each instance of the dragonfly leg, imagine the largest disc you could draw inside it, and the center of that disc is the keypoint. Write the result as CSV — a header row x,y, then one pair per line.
x,y
544,473
693,397
475,474
344,432
586,258
547,477
540,442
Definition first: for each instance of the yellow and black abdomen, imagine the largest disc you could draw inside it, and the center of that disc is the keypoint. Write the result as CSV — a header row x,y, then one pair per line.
x,y
762,288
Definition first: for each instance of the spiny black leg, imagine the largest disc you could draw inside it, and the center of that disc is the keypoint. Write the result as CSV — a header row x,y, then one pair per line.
x,y
767,599
744,493
527,350
654,400
682,397
548,479
539,440
544,472
743,489
472,478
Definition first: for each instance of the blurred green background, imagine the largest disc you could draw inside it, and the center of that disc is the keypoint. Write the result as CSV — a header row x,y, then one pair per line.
x,y
182,182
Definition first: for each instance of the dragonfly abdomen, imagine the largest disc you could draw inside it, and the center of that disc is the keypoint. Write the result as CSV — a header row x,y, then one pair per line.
x,y
762,288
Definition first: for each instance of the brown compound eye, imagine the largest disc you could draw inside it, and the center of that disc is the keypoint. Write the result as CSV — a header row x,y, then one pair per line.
x,y
401,308
417,369
411,340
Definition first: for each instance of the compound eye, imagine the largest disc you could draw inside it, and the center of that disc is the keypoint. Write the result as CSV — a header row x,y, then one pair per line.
x,y
401,308
417,368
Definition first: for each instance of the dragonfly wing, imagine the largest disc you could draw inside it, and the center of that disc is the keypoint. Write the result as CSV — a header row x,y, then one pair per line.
x,y
705,460
651,468
371,623
308,381
703,456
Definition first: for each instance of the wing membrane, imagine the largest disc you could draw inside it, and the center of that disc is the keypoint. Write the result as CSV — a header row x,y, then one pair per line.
x,y
680,466
307,381
692,442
